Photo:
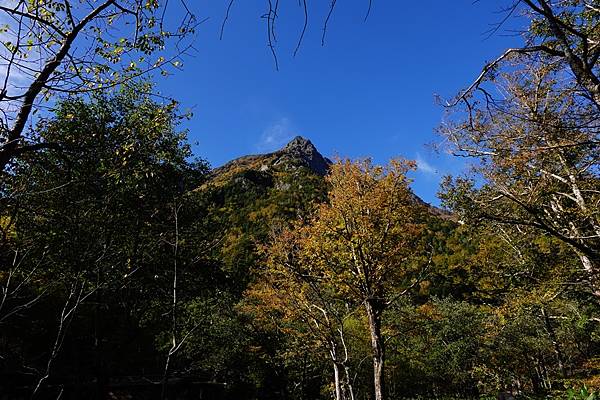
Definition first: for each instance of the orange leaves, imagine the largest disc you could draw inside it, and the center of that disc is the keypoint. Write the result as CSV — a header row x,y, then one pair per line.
x,y
359,244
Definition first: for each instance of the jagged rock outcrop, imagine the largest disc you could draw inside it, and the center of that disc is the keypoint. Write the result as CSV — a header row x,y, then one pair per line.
x,y
299,152
302,150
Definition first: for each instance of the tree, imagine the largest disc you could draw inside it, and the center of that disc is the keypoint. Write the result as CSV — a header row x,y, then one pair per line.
x,y
565,32
537,155
307,305
434,348
90,220
69,47
365,242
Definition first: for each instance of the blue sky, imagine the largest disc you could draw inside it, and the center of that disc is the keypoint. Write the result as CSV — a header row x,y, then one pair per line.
x,y
368,92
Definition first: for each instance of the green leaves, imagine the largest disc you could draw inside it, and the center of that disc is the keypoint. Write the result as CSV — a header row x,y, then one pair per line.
x,y
582,394
76,53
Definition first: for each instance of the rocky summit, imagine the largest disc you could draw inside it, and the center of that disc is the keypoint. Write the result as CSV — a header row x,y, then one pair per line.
x,y
298,153
302,150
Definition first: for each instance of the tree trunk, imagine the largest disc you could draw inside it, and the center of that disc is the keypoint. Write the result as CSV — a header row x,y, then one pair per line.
x,y
592,274
338,385
374,311
341,373
555,344
350,389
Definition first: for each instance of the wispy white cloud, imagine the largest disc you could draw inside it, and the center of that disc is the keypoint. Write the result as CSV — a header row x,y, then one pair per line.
x,y
17,77
276,135
424,166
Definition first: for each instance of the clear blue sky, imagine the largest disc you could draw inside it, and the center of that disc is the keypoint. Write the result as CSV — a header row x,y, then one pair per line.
x,y
368,92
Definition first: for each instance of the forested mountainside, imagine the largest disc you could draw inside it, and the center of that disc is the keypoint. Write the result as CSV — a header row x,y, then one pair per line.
x,y
130,271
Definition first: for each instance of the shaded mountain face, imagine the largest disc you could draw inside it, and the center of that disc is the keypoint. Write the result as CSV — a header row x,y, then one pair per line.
x,y
253,195
298,153
302,151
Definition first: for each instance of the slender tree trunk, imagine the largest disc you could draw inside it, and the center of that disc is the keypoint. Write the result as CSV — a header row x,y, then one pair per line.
x,y
591,270
338,384
174,299
555,344
341,371
374,311
348,391
348,385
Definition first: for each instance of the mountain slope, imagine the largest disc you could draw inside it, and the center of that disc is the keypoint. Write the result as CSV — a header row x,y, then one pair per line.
x,y
298,153
252,197
281,170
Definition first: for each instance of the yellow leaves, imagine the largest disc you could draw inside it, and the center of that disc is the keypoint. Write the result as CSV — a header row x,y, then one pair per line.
x,y
424,287
430,311
7,226
356,246
358,243
151,4
159,61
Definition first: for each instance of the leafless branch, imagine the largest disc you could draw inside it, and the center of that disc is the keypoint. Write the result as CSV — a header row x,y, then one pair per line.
x,y
325,24
304,26
225,19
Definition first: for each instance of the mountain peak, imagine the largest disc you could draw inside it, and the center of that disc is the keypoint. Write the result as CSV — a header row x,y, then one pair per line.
x,y
302,149
298,152
299,142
